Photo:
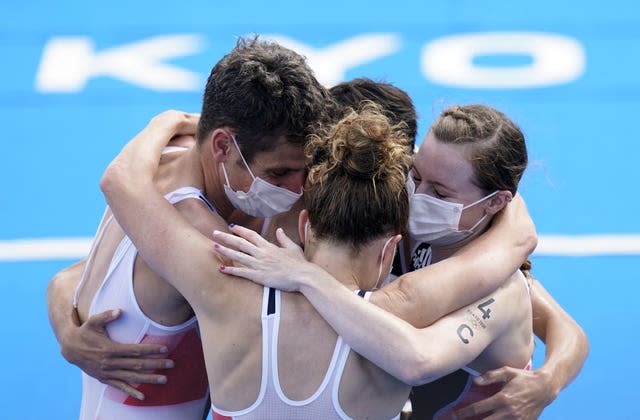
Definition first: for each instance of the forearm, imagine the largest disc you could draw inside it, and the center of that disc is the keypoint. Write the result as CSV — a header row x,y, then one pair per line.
x,y
151,223
140,208
423,296
566,343
364,327
62,314
475,271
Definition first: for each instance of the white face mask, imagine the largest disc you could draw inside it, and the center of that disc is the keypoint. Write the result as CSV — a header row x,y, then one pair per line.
x,y
385,279
263,198
436,221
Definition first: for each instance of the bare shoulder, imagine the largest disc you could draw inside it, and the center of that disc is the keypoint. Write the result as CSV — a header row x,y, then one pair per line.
x,y
200,216
366,391
288,221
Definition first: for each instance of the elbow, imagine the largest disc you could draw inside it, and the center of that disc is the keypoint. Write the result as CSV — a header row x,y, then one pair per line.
x,y
530,242
418,368
116,182
418,374
109,179
53,287
63,282
583,342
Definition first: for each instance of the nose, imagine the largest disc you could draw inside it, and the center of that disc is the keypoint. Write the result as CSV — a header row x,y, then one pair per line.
x,y
294,181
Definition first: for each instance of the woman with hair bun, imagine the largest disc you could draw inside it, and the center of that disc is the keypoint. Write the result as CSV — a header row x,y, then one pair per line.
x,y
463,176
269,354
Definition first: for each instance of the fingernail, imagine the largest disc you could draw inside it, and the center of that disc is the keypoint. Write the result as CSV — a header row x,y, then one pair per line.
x,y
115,312
215,232
164,349
222,267
140,397
169,364
231,225
216,246
162,380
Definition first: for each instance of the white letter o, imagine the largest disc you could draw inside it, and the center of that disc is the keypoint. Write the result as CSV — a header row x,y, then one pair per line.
x,y
557,59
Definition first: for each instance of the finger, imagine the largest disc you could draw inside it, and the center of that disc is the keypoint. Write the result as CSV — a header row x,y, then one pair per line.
x,y
243,272
233,255
137,364
478,408
182,140
189,124
126,388
234,242
250,235
98,321
134,377
503,374
285,241
137,350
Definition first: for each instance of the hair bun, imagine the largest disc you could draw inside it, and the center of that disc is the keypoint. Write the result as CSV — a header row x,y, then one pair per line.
x,y
363,145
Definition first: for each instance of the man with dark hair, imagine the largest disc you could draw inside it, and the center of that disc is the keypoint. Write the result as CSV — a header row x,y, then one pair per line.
x,y
260,103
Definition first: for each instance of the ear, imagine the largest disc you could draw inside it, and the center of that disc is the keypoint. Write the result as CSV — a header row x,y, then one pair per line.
x,y
303,219
220,144
390,252
498,202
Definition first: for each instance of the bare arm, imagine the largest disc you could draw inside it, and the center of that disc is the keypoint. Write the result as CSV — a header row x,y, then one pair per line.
x,y
472,273
479,268
62,315
88,346
566,343
172,247
409,353
527,393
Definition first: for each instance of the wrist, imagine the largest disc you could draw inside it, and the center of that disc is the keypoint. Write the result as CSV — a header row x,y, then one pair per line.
x,y
312,279
550,381
66,341
68,335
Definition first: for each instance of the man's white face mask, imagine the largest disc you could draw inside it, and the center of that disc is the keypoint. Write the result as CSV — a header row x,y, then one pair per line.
x,y
263,198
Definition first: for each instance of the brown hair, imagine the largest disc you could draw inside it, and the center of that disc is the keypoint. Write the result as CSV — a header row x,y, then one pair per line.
x,y
356,189
263,91
498,153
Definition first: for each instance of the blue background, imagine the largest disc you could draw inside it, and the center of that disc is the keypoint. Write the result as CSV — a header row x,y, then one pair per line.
x,y
582,138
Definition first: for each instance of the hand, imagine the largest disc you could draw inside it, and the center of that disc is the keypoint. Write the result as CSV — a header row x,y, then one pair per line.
x,y
89,347
524,395
140,158
282,267
516,220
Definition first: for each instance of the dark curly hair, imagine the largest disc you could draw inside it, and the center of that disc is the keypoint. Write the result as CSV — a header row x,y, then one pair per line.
x,y
262,91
